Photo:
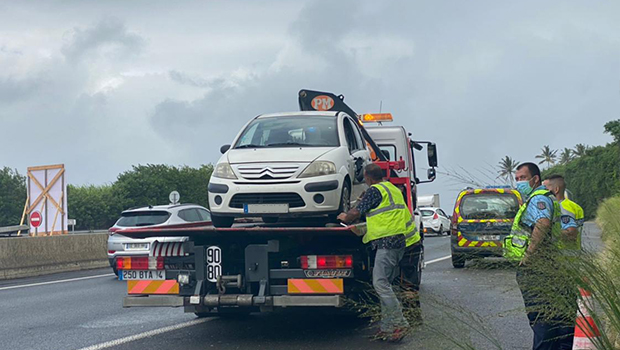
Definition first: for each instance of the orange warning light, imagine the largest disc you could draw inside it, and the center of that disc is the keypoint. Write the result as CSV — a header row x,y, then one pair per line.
x,y
377,117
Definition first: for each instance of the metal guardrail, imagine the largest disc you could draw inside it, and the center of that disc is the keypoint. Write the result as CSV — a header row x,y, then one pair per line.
x,y
11,229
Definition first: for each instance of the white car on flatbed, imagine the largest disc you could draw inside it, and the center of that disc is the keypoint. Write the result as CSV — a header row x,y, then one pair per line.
x,y
290,165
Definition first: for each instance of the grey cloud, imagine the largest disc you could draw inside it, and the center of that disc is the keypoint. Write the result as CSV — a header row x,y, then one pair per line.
x,y
109,37
196,81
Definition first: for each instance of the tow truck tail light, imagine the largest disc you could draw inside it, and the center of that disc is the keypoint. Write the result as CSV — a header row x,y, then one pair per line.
x,y
140,263
309,262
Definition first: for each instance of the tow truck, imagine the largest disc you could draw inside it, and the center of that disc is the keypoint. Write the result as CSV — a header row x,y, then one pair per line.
x,y
258,267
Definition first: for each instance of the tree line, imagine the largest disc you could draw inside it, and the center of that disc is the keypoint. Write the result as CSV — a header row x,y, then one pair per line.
x,y
98,207
592,173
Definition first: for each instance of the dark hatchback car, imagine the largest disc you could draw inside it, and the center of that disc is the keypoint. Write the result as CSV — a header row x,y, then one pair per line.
x,y
481,220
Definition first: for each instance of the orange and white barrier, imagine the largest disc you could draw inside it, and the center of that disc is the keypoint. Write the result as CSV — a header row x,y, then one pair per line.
x,y
153,287
585,329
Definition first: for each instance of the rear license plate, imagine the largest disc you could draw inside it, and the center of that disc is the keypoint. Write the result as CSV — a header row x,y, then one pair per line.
x,y
132,275
265,208
136,246
489,238
316,286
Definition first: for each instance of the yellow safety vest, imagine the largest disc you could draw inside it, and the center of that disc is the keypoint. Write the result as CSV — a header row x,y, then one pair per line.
x,y
391,217
572,209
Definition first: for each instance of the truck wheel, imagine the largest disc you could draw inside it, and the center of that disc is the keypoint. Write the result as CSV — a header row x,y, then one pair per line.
x,y
222,221
270,219
458,261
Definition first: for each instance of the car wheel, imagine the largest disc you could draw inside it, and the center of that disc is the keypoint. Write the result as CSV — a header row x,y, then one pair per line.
x,y
441,230
115,271
222,221
458,261
270,219
345,202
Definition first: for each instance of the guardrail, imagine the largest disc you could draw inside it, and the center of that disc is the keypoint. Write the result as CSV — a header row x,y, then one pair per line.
x,y
10,230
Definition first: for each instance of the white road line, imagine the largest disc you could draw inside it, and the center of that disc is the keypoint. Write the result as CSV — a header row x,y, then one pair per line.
x,y
54,282
437,260
139,336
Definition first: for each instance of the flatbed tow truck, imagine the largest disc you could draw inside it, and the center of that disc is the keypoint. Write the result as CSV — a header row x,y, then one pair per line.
x,y
254,267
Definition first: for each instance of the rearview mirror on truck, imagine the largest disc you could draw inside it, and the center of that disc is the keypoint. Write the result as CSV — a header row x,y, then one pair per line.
x,y
431,174
431,152
224,148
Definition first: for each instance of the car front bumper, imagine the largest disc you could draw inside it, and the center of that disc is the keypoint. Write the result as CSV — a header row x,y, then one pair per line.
x,y
329,187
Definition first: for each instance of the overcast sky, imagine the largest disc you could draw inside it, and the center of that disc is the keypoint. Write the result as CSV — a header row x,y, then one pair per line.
x,y
103,85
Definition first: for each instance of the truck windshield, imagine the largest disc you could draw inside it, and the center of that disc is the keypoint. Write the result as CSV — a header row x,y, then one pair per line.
x,y
143,218
306,131
489,206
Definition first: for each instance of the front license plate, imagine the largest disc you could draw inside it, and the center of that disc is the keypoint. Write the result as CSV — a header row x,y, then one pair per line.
x,y
132,275
265,208
136,246
489,238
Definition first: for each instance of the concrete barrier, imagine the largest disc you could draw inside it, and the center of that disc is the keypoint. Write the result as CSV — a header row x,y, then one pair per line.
x,y
33,256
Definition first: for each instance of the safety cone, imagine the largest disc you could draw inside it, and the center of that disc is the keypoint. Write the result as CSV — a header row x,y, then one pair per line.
x,y
585,329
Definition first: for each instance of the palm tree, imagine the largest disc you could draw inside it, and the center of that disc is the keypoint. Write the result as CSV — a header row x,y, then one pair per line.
x,y
566,156
548,156
507,167
580,150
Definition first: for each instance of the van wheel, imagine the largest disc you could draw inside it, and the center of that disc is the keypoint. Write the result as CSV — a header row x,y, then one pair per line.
x,y
458,261
222,221
270,219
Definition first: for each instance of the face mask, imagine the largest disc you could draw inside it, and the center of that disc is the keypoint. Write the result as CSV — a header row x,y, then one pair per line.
x,y
524,188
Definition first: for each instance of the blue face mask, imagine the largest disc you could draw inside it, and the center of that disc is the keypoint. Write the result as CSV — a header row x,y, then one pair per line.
x,y
524,188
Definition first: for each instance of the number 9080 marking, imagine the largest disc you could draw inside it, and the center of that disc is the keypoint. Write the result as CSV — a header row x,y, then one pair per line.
x,y
214,263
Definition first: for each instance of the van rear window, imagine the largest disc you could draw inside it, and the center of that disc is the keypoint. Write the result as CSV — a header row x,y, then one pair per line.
x,y
489,206
143,218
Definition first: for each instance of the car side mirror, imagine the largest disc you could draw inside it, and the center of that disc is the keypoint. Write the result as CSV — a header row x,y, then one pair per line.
x,y
224,148
431,173
431,152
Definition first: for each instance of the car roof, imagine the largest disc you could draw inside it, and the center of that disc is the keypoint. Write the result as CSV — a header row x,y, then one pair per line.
x,y
167,207
299,114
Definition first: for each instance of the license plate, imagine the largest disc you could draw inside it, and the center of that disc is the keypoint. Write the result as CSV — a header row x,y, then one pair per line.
x,y
136,246
132,275
265,208
489,238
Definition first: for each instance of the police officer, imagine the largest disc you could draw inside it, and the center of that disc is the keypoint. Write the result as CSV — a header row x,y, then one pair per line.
x,y
572,214
532,243
390,226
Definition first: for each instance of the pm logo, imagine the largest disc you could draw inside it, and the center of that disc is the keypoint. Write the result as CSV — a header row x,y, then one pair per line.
x,y
322,103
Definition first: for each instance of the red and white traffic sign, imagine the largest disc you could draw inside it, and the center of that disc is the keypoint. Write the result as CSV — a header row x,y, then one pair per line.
x,y
35,219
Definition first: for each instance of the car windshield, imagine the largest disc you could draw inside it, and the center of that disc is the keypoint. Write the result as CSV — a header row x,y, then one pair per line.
x,y
306,131
143,218
489,206
427,212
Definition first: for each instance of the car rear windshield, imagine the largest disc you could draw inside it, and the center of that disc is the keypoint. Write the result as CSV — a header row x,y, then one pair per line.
x,y
489,206
427,212
143,218
306,131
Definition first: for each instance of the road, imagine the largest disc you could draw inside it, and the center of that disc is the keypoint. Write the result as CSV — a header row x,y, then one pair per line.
x,y
82,310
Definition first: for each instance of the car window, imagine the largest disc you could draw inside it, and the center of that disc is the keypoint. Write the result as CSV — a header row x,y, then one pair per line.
x,y
350,135
427,212
204,215
190,215
143,218
391,150
442,213
307,131
489,206
358,136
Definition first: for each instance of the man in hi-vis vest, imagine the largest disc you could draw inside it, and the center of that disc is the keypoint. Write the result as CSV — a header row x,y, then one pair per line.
x,y
389,224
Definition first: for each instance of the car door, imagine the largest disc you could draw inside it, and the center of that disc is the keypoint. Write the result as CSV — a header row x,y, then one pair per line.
x,y
445,221
358,158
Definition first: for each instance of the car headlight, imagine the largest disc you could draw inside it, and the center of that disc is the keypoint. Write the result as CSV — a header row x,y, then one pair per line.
x,y
224,171
319,168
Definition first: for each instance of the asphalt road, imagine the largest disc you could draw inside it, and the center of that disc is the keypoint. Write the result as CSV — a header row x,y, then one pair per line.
x,y
83,310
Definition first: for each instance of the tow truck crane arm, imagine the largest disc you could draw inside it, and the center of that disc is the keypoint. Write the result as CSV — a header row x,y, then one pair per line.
x,y
310,100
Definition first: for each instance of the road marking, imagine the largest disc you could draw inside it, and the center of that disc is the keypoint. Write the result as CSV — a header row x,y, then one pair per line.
x,y
139,336
437,260
54,282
